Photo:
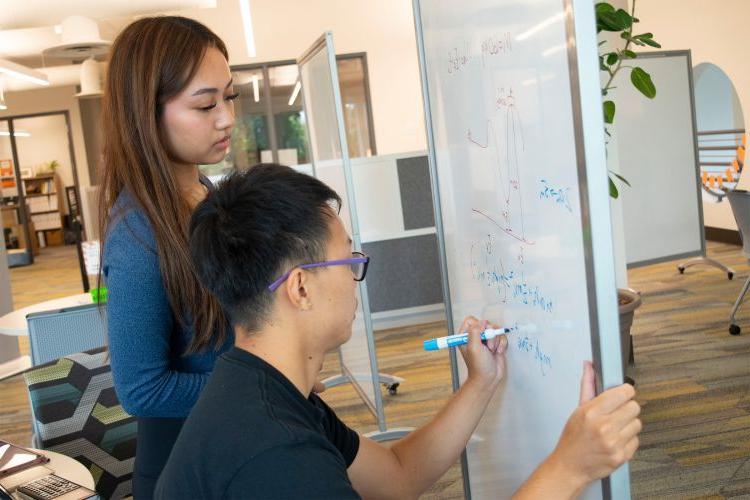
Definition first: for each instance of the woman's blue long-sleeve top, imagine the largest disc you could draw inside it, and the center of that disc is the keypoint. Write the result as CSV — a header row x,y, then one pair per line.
x,y
152,377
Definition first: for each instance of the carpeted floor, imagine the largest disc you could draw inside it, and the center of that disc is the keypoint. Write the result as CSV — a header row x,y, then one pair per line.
x,y
693,378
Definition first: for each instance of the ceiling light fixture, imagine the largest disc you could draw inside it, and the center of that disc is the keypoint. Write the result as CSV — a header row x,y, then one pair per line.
x,y
247,25
15,134
295,92
14,70
256,91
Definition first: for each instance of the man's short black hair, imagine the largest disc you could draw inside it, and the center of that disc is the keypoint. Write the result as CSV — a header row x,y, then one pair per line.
x,y
253,228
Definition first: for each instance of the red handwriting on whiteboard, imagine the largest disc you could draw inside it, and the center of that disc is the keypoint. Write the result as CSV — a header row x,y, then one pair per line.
x,y
458,58
495,46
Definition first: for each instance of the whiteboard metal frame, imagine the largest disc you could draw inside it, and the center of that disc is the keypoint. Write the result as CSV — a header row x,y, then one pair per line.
x,y
325,42
598,249
455,380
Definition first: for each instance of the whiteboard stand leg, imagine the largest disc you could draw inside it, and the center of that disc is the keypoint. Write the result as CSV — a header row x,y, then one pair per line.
x,y
708,262
390,434
734,328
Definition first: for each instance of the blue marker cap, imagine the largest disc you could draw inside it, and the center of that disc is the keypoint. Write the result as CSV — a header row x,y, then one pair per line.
x,y
431,345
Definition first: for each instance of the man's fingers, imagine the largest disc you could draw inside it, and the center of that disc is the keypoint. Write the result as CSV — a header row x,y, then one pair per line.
x,y
493,344
630,448
475,334
503,344
468,322
625,413
588,383
613,398
631,429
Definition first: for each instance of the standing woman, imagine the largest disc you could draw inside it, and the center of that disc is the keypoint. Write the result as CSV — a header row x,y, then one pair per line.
x,y
167,108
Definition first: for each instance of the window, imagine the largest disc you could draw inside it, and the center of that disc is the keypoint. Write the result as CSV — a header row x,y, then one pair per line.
x,y
270,122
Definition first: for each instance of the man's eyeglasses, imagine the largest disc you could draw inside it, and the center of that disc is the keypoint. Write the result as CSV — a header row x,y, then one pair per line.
x,y
358,264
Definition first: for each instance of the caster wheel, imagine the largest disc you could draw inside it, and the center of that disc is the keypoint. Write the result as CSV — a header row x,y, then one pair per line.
x,y
392,388
734,329
730,275
682,269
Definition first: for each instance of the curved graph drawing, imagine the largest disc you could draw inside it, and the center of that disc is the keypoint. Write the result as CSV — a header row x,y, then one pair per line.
x,y
506,147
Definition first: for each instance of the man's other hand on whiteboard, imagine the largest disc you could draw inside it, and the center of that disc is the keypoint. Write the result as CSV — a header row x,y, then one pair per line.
x,y
600,436
485,361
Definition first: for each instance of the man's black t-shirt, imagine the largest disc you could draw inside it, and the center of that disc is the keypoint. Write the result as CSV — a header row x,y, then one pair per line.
x,y
252,434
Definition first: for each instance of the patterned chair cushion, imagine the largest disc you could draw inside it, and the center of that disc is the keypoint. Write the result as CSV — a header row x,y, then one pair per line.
x,y
77,413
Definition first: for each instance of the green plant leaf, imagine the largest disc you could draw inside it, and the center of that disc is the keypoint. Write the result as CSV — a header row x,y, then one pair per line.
x,y
642,81
647,39
609,111
602,66
652,43
624,18
613,189
612,58
629,54
602,7
623,179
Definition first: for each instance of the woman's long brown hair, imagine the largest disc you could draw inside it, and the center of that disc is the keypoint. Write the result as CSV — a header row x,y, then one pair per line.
x,y
152,61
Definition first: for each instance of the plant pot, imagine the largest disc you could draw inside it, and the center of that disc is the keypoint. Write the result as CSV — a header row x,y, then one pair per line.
x,y
628,300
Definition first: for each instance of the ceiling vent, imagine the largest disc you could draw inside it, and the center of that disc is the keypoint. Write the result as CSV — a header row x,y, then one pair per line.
x,y
80,40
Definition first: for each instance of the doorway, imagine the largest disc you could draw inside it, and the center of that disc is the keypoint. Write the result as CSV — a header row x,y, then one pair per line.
x,y
37,164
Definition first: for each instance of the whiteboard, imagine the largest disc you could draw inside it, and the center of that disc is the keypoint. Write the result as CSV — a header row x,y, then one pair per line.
x,y
331,164
516,143
658,155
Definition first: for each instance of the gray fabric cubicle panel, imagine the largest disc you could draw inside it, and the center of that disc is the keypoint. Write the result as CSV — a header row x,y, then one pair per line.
x,y
403,272
416,193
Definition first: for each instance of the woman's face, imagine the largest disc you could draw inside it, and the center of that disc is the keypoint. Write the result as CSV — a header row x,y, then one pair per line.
x,y
197,123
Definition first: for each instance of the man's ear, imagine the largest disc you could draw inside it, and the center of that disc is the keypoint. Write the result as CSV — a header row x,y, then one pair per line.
x,y
298,291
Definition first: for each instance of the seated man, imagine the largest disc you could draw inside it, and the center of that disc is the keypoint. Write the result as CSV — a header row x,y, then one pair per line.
x,y
270,245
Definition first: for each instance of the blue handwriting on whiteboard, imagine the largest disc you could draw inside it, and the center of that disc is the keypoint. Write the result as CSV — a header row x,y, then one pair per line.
x,y
526,345
558,195
489,269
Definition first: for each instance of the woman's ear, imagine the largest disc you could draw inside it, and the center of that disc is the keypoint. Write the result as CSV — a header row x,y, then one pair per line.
x,y
297,288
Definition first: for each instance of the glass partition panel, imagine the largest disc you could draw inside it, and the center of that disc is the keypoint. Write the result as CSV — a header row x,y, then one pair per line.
x,y
288,116
356,105
250,135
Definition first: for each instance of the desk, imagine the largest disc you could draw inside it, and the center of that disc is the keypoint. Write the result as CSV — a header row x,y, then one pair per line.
x,y
14,324
59,464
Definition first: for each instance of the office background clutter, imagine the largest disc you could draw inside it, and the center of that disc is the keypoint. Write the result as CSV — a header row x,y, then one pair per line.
x,y
691,374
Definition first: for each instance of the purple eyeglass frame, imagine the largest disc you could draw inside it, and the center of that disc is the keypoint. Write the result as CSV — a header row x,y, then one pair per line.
x,y
364,259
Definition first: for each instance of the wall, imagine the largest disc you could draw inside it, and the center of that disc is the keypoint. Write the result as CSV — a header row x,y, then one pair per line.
x,y
384,30
714,34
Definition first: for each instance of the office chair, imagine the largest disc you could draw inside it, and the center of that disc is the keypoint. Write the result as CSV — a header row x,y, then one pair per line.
x,y
740,203
76,412
54,334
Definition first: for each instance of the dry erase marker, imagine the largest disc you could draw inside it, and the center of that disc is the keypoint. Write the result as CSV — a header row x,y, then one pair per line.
x,y
460,339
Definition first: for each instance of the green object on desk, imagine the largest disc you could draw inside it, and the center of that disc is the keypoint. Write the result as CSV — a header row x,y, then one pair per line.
x,y
99,294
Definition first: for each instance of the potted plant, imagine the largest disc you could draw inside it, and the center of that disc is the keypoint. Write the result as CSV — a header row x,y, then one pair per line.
x,y
613,60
